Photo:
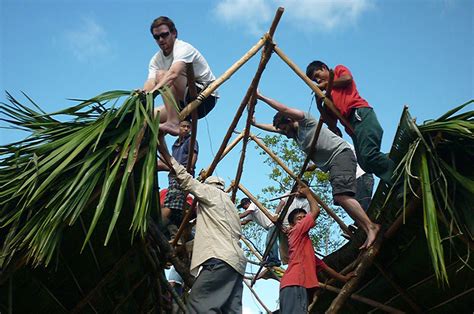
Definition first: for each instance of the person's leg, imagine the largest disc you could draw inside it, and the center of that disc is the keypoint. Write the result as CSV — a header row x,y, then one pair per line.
x,y
216,287
169,120
283,239
293,299
174,201
367,141
205,107
234,302
273,255
353,208
365,187
343,182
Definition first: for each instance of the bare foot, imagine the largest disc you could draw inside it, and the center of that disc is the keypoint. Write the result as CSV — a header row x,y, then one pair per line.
x,y
169,128
371,236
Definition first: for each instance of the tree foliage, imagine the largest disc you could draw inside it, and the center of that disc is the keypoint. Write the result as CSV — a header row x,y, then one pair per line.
x,y
326,235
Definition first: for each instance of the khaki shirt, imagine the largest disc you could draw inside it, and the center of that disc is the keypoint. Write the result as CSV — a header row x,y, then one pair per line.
x,y
217,225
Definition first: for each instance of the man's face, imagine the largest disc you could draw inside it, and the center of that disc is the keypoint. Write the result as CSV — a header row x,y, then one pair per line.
x,y
246,205
320,75
184,128
300,216
164,38
288,129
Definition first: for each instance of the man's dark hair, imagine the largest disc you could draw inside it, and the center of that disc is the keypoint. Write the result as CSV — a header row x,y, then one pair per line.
x,y
313,66
163,20
280,118
292,215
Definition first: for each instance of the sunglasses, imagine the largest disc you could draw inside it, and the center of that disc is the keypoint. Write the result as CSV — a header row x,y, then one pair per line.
x,y
162,35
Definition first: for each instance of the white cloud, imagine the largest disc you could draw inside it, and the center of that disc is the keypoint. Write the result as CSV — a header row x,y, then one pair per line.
x,y
325,15
252,15
88,40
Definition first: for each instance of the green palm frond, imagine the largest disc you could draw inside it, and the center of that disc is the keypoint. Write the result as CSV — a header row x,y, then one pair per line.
x,y
64,168
439,160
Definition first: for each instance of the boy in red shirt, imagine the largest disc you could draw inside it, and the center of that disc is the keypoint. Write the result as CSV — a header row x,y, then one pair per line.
x,y
367,135
300,276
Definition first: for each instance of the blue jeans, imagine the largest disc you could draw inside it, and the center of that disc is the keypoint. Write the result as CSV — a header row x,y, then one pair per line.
x,y
273,254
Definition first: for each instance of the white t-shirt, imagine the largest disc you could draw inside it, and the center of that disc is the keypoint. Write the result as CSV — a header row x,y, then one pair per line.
x,y
182,51
298,202
259,217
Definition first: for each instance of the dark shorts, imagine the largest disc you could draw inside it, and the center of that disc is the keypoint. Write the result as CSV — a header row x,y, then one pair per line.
x,y
204,108
342,173
175,197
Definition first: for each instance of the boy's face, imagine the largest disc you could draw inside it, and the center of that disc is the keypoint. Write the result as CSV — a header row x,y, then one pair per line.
x,y
300,216
321,75
184,128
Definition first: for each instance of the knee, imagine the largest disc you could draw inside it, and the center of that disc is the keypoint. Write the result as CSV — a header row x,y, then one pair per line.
x,y
159,75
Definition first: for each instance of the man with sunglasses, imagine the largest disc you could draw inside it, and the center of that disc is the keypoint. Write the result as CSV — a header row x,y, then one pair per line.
x,y
168,68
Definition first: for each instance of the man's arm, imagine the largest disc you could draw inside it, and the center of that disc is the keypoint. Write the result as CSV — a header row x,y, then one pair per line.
x,y
313,204
245,214
265,127
187,182
338,276
168,78
293,113
280,206
161,166
244,222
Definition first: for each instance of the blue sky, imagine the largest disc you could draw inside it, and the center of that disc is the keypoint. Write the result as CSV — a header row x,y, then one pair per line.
x,y
415,53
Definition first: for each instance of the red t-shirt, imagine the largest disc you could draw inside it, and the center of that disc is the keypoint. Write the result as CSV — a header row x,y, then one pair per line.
x,y
303,264
346,98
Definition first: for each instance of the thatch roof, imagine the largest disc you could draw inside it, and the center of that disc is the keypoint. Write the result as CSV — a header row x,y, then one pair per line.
x,y
403,276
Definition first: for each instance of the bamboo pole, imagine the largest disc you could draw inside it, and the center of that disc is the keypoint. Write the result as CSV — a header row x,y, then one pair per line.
x,y
192,143
314,87
256,296
258,256
283,196
362,299
366,261
256,202
219,81
281,164
193,94
252,99
173,293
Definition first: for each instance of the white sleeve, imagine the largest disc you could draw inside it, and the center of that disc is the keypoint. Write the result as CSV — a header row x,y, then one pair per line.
x,y
252,207
153,67
184,52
